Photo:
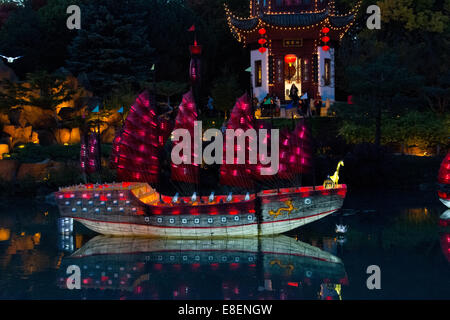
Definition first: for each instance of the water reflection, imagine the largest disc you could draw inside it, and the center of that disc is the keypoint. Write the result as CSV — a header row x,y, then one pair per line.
x,y
267,268
444,222
404,235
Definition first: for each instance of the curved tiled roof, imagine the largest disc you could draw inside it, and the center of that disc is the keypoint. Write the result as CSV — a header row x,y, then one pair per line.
x,y
291,20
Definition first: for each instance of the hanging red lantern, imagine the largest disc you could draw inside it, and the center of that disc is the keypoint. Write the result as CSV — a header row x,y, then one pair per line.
x,y
325,30
326,39
290,59
325,48
262,31
262,41
262,49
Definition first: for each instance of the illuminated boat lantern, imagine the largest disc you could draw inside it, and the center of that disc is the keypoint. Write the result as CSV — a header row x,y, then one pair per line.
x,y
444,181
134,208
238,268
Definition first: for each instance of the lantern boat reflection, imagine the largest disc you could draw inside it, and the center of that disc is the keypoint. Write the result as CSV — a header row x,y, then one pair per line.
x,y
270,268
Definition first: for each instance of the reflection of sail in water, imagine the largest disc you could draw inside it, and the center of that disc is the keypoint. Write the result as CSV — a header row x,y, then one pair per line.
x,y
267,268
445,245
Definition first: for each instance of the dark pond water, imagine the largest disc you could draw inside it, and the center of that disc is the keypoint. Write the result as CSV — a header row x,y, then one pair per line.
x,y
397,231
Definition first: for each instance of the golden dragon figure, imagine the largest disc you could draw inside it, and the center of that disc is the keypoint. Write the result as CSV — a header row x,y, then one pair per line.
x,y
333,181
279,212
289,267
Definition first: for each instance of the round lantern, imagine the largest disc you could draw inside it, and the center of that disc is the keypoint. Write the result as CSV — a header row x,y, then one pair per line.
x,y
325,48
290,59
262,41
262,49
262,31
325,30
326,39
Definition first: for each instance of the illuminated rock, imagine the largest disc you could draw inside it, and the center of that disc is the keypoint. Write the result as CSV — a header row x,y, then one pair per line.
x,y
4,148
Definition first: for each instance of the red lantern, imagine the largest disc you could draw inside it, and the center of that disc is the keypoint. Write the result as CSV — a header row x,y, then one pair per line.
x,y
290,59
325,30
262,49
262,31
196,50
326,39
325,48
262,41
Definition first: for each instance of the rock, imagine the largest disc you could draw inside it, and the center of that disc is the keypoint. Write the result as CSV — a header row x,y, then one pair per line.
x,y
46,137
68,136
108,135
19,135
66,113
75,136
113,119
8,169
16,117
32,116
38,118
4,119
62,135
4,148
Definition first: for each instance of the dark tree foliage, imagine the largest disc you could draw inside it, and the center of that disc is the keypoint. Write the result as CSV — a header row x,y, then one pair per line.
x,y
112,48
6,8
40,89
56,37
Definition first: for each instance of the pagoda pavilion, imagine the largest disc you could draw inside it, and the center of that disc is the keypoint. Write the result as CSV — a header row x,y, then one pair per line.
x,y
292,42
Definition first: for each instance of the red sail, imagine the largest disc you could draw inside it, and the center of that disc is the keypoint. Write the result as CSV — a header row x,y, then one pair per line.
x,y
187,114
301,154
135,150
287,141
239,175
444,172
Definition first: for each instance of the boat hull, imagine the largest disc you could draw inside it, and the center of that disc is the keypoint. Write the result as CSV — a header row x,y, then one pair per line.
x,y
268,214
249,230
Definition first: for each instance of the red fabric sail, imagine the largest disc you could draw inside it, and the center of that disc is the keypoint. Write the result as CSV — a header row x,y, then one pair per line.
x,y
187,114
301,153
287,139
239,175
444,171
89,153
135,150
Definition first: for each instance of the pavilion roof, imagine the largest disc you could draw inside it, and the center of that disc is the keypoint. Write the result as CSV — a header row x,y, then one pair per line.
x,y
292,20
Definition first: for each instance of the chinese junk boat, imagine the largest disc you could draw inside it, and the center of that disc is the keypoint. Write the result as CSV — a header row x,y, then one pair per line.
x,y
135,208
444,181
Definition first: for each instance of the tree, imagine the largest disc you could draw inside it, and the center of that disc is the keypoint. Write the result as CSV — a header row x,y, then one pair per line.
x,y
112,48
225,92
56,37
438,95
379,84
40,89
170,88
6,8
